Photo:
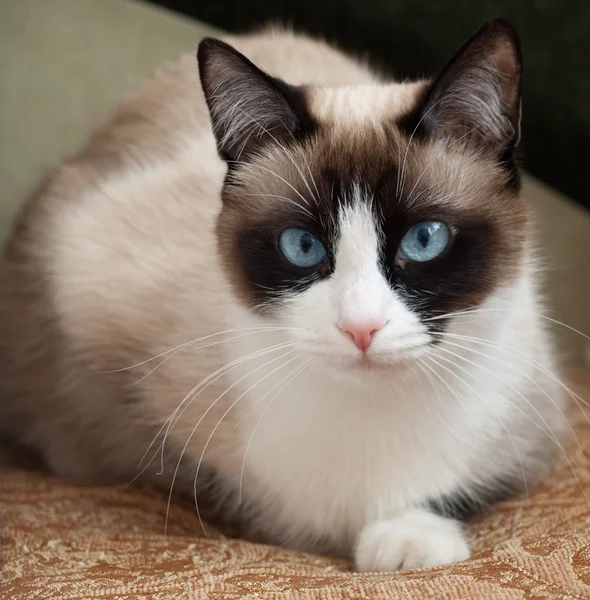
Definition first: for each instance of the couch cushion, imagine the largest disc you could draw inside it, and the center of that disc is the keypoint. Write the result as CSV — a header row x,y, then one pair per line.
x,y
69,542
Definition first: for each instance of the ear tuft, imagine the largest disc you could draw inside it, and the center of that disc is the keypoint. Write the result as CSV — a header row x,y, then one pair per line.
x,y
478,94
248,108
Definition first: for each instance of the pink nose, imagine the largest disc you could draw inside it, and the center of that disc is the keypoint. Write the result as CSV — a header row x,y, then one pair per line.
x,y
361,334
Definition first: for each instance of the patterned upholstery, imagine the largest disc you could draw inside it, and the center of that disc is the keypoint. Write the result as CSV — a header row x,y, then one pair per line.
x,y
68,542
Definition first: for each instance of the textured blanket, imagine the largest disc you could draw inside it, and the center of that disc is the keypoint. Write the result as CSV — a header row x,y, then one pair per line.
x,y
70,542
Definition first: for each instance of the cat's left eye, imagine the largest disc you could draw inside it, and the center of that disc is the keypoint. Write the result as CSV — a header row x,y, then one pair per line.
x,y
301,248
425,241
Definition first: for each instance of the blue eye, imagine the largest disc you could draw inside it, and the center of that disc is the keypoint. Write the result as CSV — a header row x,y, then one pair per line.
x,y
425,241
301,248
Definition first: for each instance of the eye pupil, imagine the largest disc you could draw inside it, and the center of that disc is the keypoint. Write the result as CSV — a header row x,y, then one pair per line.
x,y
306,242
423,236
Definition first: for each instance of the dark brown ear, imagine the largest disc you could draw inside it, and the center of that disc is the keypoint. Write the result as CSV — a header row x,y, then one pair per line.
x,y
478,93
248,108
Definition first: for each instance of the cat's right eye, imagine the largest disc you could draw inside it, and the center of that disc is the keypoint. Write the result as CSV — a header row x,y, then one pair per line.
x,y
301,248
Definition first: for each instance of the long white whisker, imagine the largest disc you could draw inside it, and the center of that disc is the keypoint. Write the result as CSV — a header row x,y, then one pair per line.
x,y
455,143
401,172
502,424
287,154
219,423
513,388
471,311
316,198
201,386
283,383
245,416
237,382
201,339
289,200
511,351
238,162
297,143
553,402
548,432
420,364
202,347
511,366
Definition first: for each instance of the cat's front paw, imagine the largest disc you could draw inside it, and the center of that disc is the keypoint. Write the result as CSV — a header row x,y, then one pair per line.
x,y
412,540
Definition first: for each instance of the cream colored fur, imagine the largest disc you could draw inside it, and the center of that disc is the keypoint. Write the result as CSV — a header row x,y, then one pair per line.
x,y
115,263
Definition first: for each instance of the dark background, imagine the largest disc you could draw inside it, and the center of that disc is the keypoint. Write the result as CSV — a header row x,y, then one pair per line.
x,y
415,37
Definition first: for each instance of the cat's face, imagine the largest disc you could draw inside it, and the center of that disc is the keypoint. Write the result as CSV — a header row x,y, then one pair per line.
x,y
358,217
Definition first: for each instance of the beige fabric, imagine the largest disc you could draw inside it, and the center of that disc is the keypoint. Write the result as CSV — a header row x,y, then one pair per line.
x,y
67,542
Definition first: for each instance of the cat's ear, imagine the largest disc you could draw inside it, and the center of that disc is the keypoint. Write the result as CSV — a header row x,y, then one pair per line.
x,y
248,107
478,94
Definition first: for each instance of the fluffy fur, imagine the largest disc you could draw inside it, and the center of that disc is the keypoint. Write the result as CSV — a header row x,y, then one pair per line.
x,y
151,329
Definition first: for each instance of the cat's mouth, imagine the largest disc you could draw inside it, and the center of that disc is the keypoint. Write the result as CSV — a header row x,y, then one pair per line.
x,y
380,361
400,353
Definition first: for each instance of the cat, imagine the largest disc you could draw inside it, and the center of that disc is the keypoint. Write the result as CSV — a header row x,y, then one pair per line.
x,y
307,292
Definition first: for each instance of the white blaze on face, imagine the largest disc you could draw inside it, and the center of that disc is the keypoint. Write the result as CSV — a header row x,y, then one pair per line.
x,y
355,310
361,295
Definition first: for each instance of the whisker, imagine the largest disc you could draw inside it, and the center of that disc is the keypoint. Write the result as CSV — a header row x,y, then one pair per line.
x,y
548,432
513,388
201,420
454,143
238,162
530,379
289,200
471,311
511,351
220,421
291,376
175,353
573,395
536,364
286,153
421,366
201,339
315,197
401,172
201,386
245,416
204,384
502,424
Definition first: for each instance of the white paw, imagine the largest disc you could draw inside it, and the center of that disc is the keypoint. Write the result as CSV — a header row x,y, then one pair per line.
x,y
412,540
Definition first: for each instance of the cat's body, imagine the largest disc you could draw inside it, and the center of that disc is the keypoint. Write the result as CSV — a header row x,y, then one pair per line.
x,y
117,260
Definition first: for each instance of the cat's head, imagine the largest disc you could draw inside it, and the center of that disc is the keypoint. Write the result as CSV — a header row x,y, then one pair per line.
x,y
360,216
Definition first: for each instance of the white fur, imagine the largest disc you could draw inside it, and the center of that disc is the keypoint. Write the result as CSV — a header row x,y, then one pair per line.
x,y
346,451
412,540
